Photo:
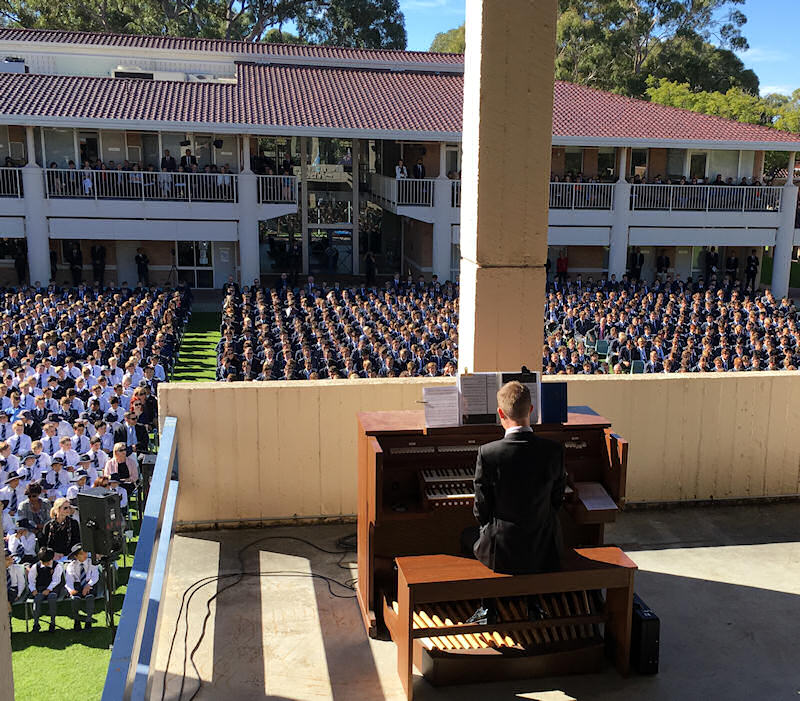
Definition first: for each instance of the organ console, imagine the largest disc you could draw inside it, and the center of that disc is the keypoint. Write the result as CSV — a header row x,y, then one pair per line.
x,y
415,498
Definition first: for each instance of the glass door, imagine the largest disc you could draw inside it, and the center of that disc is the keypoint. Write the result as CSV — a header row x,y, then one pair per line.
x,y
195,263
697,165
89,146
330,251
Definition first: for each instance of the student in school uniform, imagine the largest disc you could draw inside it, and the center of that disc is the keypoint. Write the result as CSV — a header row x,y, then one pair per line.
x,y
57,479
106,434
7,524
80,441
44,582
20,442
114,486
11,461
66,452
5,426
79,479
13,491
41,462
97,457
22,543
15,581
81,578
50,436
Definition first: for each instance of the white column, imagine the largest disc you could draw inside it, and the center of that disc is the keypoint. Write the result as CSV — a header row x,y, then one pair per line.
x,y
245,154
76,147
304,202
784,241
248,228
31,146
36,233
443,160
618,243
443,218
355,147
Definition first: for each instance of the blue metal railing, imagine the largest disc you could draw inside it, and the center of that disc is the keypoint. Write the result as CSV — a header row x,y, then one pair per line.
x,y
134,646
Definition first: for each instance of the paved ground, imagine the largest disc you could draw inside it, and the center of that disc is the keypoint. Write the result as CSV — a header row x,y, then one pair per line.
x,y
724,581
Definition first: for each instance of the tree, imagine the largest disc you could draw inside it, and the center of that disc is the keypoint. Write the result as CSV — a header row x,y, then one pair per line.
x,y
452,42
358,23
613,44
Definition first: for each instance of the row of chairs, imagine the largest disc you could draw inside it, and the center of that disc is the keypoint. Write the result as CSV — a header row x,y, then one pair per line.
x,y
601,347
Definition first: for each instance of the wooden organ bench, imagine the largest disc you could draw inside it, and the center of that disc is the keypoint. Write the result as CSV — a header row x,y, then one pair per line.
x,y
436,594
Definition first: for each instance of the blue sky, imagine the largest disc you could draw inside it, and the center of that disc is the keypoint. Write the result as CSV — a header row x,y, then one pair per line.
x,y
771,30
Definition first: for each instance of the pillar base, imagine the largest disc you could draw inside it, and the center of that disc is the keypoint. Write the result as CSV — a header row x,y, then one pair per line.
x,y
500,318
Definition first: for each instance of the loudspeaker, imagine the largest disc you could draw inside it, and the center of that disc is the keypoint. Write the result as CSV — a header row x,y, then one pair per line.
x,y
102,523
217,143
554,402
645,633
185,142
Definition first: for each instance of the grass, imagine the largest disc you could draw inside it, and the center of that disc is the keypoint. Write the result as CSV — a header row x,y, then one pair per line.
x,y
66,663
198,357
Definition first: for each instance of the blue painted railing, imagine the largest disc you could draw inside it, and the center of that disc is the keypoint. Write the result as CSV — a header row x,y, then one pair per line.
x,y
134,646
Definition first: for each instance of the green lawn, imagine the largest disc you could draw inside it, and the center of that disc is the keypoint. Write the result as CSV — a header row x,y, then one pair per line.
x,y
198,359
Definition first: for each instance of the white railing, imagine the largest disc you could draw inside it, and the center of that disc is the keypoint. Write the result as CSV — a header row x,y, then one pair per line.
x,y
415,192
277,189
582,196
140,185
455,193
10,182
706,198
383,188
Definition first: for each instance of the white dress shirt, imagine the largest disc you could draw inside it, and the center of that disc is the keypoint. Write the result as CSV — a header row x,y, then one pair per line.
x,y
58,570
72,574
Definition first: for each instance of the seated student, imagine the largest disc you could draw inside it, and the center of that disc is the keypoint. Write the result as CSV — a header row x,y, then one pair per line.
x,y
124,466
50,436
114,486
8,461
80,578
66,451
57,480
61,532
13,492
97,457
105,435
80,441
15,581
20,442
44,583
80,478
35,509
36,463
22,543
6,520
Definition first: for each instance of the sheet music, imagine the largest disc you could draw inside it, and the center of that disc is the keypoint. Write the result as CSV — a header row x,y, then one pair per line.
x,y
477,393
441,406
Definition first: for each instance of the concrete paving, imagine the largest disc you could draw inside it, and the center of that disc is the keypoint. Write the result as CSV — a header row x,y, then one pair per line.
x,y
724,581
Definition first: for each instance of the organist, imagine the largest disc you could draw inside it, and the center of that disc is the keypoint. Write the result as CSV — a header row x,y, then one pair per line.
x,y
519,489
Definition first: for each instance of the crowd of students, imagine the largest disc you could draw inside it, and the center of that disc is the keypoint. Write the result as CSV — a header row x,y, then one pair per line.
x,y
80,369
410,328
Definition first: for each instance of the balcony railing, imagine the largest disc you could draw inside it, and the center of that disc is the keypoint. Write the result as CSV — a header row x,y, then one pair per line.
x,y
455,193
140,185
10,182
582,196
415,192
706,198
277,189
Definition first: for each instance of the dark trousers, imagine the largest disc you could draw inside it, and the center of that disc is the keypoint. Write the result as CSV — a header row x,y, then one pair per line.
x,y
99,272
76,604
750,282
51,605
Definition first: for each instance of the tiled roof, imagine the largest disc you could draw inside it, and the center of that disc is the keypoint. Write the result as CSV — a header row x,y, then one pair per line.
x,y
340,98
350,99
583,112
57,36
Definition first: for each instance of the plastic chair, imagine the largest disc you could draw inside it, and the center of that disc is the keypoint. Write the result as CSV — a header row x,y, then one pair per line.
x,y
637,367
602,349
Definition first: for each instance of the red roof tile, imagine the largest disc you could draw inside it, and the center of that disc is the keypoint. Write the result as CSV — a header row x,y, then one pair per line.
x,y
57,36
290,96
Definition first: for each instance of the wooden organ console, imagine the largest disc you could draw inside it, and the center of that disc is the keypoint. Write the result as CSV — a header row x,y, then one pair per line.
x,y
415,498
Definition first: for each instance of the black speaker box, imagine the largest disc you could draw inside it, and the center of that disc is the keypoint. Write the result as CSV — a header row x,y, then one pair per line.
x,y
102,522
645,633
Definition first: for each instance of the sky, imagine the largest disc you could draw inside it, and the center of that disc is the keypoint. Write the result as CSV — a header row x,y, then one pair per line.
x,y
771,51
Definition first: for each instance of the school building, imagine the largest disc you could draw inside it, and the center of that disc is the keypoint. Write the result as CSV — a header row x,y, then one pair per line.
x,y
294,155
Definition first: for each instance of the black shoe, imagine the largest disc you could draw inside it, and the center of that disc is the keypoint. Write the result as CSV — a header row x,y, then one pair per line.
x,y
36,628
88,625
52,628
76,625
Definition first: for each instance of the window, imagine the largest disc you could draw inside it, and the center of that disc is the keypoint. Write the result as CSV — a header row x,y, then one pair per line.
x,y
195,262
606,163
639,163
676,163
573,162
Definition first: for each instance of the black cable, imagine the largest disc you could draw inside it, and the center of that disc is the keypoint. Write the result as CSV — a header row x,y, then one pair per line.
x,y
344,545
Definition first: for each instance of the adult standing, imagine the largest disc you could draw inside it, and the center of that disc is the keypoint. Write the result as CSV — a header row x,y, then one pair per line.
x,y
400,170
562,266
75,261
98,256
168,163
143,265
751,271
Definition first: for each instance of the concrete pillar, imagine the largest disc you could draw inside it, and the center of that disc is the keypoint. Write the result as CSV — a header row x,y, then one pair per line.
x,y
6,670
784,241
36,232
356,243
249,257
304,201
508,116
245,154
443,218
618,242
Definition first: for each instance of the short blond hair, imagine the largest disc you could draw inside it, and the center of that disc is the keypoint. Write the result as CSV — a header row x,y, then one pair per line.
x,y
514,399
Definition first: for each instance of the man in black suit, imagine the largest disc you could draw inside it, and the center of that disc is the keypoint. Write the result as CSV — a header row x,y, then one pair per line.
x,y
188,160
519,488
168,164
132,434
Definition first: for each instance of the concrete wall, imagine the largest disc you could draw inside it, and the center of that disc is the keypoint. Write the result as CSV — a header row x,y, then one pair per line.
x,y
283,449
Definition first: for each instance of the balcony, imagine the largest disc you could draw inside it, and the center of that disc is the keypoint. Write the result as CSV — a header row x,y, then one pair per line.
x,y
403,192
277,189
598,196
455,193
10,182
705,198
140,185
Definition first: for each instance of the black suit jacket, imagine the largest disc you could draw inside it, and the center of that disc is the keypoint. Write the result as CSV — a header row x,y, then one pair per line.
x,y
519,488
142,439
